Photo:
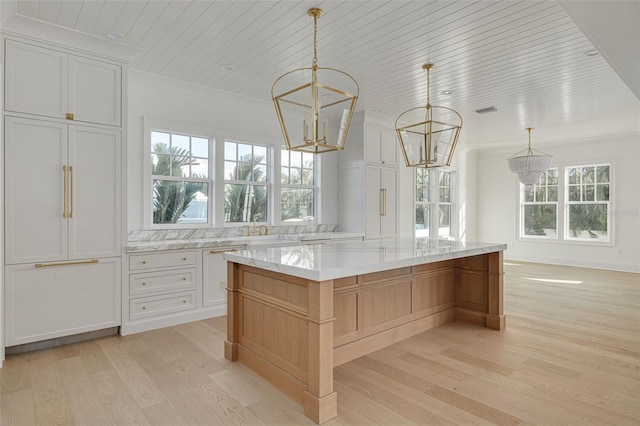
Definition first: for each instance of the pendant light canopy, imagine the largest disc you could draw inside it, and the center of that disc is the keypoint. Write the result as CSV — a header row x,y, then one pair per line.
x,y
430,138
315,105
530,166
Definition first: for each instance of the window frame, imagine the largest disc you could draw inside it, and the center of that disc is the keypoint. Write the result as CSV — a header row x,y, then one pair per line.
x,y
563,210
568,202
267,184
313,186
165,126
523,203
433,203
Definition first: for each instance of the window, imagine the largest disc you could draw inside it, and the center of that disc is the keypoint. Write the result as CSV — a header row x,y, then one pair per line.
x,y
423,218
584,214
246,182
587,195
297,180
180,178
539,207
434,193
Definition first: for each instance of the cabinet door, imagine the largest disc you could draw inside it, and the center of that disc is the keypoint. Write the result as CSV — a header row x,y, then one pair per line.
x,y
214,279
389,191
95,201
380,146
388,147
95,94
373,196
53,301
35,229
381,202
36,80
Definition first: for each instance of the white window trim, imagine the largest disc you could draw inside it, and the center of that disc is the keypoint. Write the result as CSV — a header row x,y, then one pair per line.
x,y
562,206
216,173
434,201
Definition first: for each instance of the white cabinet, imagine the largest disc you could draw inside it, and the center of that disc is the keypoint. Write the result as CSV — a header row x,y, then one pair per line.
x,y
62,191
381,202
49,300
214,280
368,196
165,288
380,145
56,84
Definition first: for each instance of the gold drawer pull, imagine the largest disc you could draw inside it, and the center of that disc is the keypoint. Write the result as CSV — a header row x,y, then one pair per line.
x,y
143,283
69,116
144,262
184,258
222,251
184,278
80,262
144,308
184,301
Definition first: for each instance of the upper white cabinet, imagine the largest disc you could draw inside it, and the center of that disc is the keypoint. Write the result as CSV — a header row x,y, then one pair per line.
x,y
52,83
380,145
62,191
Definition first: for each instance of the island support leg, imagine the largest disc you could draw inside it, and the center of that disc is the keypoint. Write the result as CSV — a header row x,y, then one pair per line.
x,y
320,401
495,317
231,344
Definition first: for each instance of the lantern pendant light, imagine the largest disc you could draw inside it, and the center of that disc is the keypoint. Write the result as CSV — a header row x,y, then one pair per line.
x,y
428,135
315,105
531,166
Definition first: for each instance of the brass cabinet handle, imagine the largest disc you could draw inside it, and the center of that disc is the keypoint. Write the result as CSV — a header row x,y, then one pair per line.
x,y
143,283
184,301
69,116
144,262
64,191
184,278
222,251
71,190
383,201
78,262
184,258
144,308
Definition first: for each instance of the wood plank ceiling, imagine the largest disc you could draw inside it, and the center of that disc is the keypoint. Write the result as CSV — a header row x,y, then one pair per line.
x,y
526,58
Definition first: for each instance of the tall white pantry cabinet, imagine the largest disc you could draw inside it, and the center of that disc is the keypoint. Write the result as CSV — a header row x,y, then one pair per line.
x,y
63,195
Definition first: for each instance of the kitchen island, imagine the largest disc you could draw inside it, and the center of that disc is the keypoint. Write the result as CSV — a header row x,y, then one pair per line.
x,y
294,313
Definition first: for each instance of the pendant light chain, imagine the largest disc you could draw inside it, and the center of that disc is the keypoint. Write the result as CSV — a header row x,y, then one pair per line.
x,y
315,42
529,150
428,86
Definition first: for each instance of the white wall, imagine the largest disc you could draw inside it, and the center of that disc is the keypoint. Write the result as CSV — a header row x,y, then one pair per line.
x,y
221,112
497,206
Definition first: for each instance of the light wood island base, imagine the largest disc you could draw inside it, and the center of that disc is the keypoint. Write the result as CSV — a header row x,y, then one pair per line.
x,y
294,331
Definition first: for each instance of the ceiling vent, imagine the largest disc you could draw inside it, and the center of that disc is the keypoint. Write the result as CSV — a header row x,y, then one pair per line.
x,y
486,110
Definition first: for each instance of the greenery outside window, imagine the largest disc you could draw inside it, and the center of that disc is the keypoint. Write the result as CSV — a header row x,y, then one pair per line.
x,y
588,204
246,182
297,186
180,178
434,193
539,207
423,209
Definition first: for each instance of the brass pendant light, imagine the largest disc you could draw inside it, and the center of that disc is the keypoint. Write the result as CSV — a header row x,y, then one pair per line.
x,y
431,135
315,105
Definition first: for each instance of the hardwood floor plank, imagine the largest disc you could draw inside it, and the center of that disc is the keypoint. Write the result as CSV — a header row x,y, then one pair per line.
x,y
84,401
53,412
141,387
45,378
117,399
17,408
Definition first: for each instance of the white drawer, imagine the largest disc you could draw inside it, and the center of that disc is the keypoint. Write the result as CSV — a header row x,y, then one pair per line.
x,y
140,262
182,279
161,305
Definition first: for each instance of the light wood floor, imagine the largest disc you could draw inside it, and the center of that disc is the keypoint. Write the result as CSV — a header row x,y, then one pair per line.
x,y
570,355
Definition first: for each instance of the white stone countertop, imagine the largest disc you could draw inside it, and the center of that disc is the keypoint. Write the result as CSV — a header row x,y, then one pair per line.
x,y
275,240
346,258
